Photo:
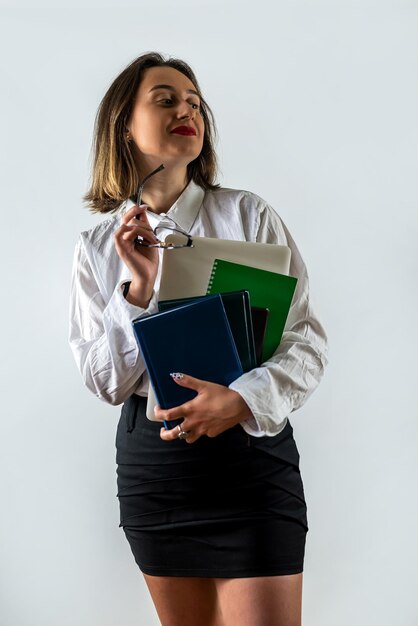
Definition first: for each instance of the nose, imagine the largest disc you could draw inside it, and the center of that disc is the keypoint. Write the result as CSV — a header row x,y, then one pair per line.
x,y
185,110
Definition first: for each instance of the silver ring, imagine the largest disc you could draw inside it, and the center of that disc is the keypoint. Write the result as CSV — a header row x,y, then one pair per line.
x,y
183,434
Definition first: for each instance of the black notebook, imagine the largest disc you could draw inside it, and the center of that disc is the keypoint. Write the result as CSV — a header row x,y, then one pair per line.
x,y
260,318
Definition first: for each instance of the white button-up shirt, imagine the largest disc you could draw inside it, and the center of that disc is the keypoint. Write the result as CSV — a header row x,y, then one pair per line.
x,y
101,334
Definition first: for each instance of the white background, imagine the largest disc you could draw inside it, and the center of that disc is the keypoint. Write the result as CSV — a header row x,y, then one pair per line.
x,y
316,105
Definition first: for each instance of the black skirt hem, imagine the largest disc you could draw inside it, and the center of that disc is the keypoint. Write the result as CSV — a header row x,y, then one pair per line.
x,y
207,573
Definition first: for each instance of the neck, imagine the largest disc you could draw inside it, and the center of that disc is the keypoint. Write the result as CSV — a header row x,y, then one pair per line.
x,y
162,190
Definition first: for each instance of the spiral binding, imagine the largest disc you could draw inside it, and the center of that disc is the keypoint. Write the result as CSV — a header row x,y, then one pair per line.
x,y
212,276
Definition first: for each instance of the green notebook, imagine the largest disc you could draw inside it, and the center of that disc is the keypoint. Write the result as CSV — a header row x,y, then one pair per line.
x,y
267,289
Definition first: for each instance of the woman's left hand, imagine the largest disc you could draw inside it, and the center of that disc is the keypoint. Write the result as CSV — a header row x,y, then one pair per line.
x,y
215,409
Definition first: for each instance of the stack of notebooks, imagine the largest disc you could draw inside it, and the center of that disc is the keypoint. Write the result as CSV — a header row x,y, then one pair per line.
x,y
217,336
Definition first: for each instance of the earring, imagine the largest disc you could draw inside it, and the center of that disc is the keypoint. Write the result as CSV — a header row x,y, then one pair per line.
x,y
128,137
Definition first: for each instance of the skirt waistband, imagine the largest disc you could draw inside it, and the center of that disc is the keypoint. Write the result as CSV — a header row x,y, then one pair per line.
x,y
131,407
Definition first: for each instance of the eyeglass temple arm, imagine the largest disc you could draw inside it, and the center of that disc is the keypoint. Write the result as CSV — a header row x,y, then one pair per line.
x,y
141,186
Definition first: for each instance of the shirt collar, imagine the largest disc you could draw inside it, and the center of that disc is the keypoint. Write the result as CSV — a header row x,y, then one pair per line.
x,y
184,211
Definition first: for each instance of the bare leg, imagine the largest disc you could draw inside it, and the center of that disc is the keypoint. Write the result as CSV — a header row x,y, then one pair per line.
x,y
272,600
184,601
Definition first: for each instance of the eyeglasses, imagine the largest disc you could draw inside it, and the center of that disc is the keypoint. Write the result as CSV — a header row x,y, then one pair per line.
x,y
182,239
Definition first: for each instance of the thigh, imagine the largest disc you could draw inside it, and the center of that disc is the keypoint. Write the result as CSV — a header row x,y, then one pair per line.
x,y
273,600
184,601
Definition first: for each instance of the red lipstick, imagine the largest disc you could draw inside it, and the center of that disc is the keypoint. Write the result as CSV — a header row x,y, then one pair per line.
x,y
183,130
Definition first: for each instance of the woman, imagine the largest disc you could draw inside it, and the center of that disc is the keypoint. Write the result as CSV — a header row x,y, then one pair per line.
x,y
214,509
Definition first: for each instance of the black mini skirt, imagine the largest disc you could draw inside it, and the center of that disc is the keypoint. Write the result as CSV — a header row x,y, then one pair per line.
x,y
230,506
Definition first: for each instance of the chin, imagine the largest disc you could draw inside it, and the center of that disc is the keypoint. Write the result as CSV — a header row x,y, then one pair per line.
x,y
178,159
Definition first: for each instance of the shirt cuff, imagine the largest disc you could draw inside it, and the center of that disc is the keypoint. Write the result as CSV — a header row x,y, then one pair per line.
x,y
265,421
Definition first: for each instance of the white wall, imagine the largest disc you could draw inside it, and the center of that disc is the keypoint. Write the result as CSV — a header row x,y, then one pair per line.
x,y
316,104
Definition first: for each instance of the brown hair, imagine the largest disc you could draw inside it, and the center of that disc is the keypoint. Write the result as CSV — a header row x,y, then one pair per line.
x,y
114,174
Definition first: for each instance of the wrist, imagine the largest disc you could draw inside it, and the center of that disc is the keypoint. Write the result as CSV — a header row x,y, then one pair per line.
x,y
242,410
138,296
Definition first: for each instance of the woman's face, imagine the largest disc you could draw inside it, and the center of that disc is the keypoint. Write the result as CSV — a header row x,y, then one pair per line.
x,y
166,99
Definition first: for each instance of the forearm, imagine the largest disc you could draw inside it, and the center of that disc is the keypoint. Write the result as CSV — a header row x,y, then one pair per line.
x,y
281,385
104,345
111,377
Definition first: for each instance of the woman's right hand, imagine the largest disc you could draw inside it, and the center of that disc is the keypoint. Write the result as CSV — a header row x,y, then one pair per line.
x,y
141,261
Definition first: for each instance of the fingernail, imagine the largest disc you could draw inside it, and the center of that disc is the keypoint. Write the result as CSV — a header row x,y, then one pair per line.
x,y
176,375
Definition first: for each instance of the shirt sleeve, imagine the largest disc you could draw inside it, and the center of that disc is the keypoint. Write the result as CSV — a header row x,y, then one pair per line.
x,y
284,382
101,335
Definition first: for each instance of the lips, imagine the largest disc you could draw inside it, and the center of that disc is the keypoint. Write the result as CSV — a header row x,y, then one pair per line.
x,y
183,130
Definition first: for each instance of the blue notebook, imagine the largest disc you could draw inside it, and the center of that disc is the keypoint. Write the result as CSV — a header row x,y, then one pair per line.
x,y
238,311
195,339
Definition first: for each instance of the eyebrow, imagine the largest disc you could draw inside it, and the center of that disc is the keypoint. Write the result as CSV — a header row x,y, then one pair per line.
x,y
171,88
